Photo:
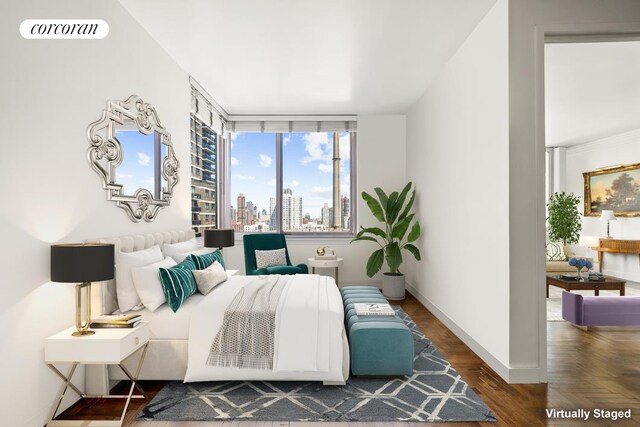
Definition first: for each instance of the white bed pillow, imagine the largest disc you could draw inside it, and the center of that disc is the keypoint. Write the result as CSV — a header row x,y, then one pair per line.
x,y
210,277
180,257
125,261
147,283
171,249
270,258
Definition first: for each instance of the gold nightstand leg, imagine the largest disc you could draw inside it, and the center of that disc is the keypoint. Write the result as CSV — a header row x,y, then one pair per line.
x,y
67,384
133,380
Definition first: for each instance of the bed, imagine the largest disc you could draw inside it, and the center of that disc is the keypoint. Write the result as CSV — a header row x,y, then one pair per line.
x,y
179,341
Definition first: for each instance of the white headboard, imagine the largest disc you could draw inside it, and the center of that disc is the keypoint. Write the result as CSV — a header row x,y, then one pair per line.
x,y
103,294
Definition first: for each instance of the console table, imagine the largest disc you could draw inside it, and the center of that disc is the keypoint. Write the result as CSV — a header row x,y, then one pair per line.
x,y
618,246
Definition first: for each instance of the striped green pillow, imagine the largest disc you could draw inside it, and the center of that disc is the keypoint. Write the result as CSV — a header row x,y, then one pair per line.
x,y
178,283
555,252
204,261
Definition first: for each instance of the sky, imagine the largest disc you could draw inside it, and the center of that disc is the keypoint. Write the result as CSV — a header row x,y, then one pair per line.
x,y
136,170
307,168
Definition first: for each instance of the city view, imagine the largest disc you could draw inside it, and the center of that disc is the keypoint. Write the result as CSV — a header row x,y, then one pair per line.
x,y
316,182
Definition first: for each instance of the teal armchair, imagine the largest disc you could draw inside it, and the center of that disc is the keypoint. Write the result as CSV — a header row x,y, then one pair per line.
x,y
267,242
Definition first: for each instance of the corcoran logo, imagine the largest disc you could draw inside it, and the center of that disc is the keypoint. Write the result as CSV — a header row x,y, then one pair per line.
x,y
64,29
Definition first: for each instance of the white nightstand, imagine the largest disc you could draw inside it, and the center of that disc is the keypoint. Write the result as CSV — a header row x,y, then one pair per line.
x,y
325,263
106,347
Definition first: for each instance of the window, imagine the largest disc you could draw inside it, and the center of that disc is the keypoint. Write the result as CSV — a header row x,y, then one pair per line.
x,y
314,192
253,182
204,148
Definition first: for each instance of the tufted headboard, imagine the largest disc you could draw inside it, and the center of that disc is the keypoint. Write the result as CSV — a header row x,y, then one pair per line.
x,y
103,294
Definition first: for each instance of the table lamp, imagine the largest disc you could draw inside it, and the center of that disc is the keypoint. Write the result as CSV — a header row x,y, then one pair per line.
x,y
82,263
219,238
607,216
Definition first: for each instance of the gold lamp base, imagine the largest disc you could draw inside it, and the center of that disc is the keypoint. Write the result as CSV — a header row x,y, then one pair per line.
x,y
83,333
82,328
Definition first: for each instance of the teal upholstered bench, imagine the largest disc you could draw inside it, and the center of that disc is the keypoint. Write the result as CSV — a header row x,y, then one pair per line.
x,y
378,345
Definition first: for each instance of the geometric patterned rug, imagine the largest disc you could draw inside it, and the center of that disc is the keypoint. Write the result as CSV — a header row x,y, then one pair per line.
x,y
434,393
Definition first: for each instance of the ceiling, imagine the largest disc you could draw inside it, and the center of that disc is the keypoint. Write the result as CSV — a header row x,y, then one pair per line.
x,y
592,91
311,57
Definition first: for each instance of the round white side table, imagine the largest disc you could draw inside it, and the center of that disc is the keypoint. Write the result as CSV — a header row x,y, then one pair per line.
x,y
325,263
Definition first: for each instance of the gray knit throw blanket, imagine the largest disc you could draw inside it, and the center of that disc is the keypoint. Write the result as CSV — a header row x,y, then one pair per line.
x,y
247,335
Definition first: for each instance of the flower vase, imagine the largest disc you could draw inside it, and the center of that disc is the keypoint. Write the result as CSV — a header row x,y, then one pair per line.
x,y
580,278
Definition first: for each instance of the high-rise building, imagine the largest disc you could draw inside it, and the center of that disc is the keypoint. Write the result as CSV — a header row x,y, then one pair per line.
x,y
241,213
204,143
346,212
250,214
325,216
291,210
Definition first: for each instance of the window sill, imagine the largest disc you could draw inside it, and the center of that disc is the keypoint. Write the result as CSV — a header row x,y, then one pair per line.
x,y
308,238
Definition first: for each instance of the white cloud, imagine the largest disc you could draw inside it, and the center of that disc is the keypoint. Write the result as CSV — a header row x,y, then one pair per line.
x,y
271,183
244,177
318,147
234,161
293,184
322,190
143,159
265,161
286,140
123,176
325,167
150,180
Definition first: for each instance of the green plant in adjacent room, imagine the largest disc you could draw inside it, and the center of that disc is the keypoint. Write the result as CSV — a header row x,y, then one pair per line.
x,y
395,214
564,218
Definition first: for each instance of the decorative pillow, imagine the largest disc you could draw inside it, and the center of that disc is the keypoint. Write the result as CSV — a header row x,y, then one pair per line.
x,y
171,249
270,258
210,277
204,261
148,285
555,252
178,283
128,298
180,257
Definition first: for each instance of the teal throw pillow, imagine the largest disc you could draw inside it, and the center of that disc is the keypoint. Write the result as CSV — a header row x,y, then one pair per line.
x,y
178,283
204,261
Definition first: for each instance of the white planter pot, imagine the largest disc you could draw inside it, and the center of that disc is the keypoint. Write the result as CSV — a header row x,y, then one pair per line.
x,y
393,286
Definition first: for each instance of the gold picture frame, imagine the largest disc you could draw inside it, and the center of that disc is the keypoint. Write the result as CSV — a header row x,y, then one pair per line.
x,y
616,189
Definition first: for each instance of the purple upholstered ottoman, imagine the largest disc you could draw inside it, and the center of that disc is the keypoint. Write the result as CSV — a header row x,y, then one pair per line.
x,y
600,311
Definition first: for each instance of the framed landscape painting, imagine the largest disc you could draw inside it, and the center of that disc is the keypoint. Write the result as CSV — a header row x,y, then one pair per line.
x,y
616,189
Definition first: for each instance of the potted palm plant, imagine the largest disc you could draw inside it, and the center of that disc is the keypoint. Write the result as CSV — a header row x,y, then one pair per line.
x,y
393,211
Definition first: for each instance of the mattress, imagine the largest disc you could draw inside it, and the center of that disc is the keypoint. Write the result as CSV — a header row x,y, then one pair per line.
x,y
164,324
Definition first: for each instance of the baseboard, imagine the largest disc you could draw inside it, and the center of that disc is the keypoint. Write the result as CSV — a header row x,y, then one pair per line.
x,y
511,375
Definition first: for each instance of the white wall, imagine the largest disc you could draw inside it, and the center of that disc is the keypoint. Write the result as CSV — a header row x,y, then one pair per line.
x,y
51,91
618,149
457,155
380,163
527,19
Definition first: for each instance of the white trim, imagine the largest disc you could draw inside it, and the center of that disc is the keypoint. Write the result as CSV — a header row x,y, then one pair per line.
x,y
293,117
217,107
511,375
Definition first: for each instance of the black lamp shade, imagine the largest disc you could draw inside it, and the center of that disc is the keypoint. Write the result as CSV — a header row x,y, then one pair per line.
x,y
222,238
82,262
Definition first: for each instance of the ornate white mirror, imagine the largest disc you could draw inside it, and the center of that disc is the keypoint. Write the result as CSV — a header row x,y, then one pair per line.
x,y
133,155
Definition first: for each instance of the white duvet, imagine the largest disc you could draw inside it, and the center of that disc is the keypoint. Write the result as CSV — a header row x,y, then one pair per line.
x,y
309,340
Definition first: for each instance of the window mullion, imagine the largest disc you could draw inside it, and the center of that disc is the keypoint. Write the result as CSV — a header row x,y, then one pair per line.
x,y
278,209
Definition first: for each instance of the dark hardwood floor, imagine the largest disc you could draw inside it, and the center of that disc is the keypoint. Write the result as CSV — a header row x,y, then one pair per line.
x,y
595,369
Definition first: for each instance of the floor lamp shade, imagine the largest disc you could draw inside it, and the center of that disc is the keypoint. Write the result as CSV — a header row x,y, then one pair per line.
x,y
220,238
82,262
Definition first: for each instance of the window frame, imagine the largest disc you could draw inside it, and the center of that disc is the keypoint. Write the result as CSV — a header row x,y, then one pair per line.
x,y
353,193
